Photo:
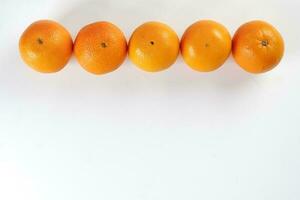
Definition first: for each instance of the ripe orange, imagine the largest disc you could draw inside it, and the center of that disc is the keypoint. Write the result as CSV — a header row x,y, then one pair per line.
x,y
205,45
257,47
153,46
100,47
46,46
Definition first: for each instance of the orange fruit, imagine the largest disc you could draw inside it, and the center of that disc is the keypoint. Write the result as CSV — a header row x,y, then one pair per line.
x,y
153,46
100,47
257,47
46,46
205,45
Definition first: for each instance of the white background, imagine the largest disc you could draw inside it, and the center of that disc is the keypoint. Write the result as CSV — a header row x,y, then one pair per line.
x,y
132,135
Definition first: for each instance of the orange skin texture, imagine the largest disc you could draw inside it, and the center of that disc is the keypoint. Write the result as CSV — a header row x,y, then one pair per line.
x,y
46,46
257,47
205,45
100,47
153,47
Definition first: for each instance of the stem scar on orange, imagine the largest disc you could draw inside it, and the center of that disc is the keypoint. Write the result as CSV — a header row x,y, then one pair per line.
x,y
100,47
205,45
257,47
46,46
153,46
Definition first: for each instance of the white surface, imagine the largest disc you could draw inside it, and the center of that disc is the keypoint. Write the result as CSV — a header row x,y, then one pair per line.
x,y
131,135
